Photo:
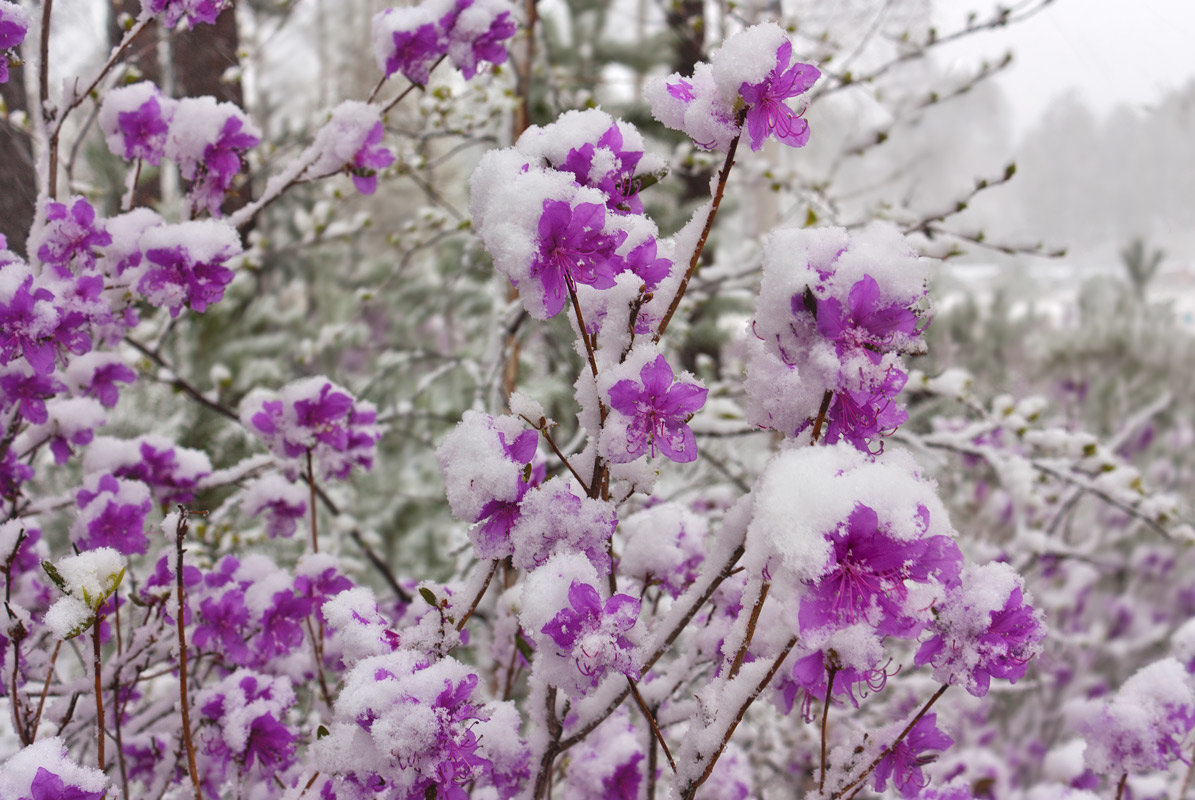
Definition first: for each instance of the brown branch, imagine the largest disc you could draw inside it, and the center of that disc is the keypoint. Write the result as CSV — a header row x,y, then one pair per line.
x,y
751,623
460,626
691,789
831,671
184,703
96,664
723,176
651,720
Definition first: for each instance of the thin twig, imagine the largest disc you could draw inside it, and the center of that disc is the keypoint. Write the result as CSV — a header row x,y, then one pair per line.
x,y
314,515
751,623
402,594
884,753
651,720
831,671
45,690
96,664
723,176
543,429
184,705
821,414
460,626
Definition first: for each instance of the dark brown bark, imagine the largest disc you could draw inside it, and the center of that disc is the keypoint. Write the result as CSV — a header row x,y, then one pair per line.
x,y
18,184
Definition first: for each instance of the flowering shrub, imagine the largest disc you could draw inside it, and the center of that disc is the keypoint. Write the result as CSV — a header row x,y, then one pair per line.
x,y
610,632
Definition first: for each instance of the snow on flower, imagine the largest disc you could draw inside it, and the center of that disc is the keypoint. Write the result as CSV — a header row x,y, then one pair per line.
x,y
208,140
413,39
112,514
836,313
748,79
283,502
135,120
14,25
1144,725
44,771
351,140
189,11
903,761
317,416
72,235
593,634
984,629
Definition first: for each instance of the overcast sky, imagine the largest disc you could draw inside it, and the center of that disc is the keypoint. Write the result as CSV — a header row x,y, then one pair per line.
x,y
1111,51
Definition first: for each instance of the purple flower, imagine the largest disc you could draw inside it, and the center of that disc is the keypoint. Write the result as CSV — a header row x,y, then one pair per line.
x,y
595,635
682,90
369,159
281,625
809,674
643,262
102,385
113,515
476,35
904,761
175,278
48,786
865,578
144,131
71,234
28,393
866,322
221,164
13,473
14,24
860,416
659,411
623,782
618,183
973,641
192,11
27,324
414,51
767,111
573,248
270,743
223,626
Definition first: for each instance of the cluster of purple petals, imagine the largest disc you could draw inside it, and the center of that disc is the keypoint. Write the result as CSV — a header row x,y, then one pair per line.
x,y
48,786
412,40
767,113
810,676
902,762
369,159
491,535
248,709
192,12
314,415
173,473
112,513
594,634
975,640
72,235
866,577
736,87
864,327
14,25
618,183
657,409
574,248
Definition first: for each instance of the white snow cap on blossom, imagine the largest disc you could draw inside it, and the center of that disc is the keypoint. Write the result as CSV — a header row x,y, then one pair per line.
x,y
197,123
558,518
91,575
109,454
205,240
342,136
125,251
665,543
576,128
356,626
545,592
1141,727
703,105
19,770
807,492
475,466
241,698
128,100
271,488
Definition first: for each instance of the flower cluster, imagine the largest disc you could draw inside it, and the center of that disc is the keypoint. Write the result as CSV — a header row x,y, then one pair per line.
x,y
404,727
593,634
112,513
191,12
1144,725
314,416
738,86
655,411
206,138
243,727
412,40
14,25
984,629
487,464
351,141
560,211
836,313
